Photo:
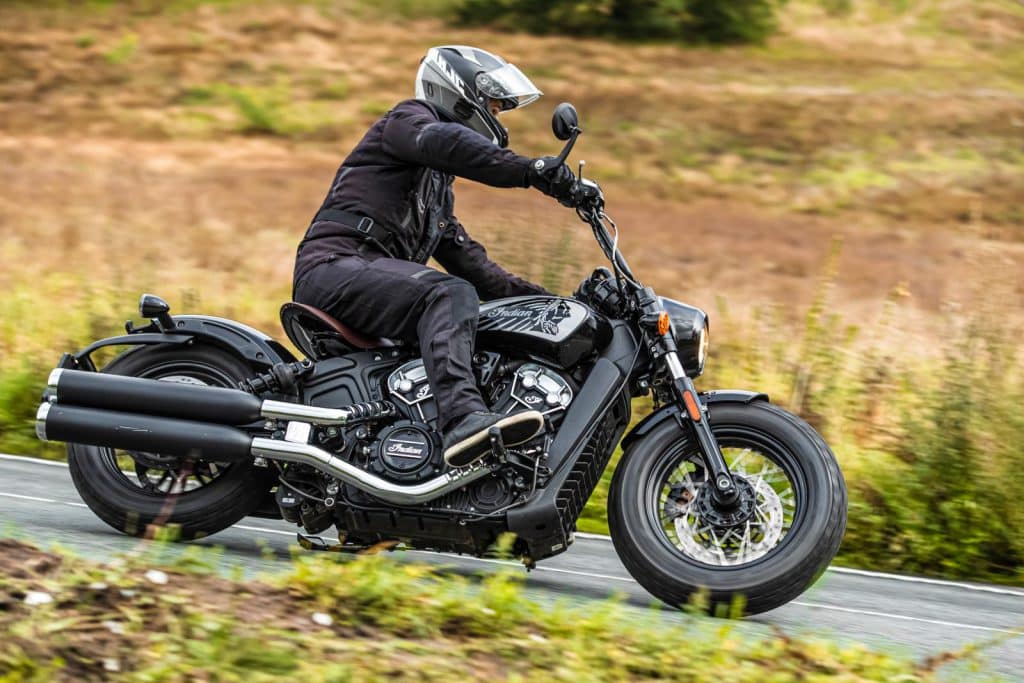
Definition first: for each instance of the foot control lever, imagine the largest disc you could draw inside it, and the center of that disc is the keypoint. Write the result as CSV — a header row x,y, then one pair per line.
x,y
497,444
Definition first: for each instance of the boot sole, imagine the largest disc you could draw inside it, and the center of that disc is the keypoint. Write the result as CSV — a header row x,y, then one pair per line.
x,y
515,429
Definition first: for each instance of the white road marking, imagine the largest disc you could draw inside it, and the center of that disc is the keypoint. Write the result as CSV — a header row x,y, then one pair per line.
x,y
901,617
932,582
44,500
264,530
997,590
37,461
813,605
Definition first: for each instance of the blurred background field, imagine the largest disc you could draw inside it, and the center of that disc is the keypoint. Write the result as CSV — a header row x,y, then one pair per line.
x,y
845,195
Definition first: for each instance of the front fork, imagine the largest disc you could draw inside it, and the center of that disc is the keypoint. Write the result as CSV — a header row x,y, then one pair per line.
x,y
692,411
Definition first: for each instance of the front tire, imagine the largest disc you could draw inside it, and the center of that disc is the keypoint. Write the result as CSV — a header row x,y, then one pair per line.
x,y
218,495
657,498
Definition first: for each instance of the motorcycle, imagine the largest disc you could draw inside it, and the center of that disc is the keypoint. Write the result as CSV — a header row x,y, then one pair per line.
x,y
206,420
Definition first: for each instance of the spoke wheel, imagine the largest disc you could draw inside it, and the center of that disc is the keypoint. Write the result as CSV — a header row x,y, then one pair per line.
x,y
748,558
163,475
135,491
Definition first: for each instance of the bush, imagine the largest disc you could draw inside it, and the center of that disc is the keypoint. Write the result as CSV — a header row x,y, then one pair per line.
x,y
695,21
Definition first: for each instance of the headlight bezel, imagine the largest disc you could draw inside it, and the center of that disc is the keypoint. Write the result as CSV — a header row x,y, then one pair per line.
x,y
691,331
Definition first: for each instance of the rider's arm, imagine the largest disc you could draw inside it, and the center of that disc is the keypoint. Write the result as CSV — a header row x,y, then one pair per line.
x,y
415,135
464,257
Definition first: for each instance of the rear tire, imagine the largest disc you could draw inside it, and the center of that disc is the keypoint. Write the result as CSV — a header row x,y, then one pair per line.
x,y
121,502
674,574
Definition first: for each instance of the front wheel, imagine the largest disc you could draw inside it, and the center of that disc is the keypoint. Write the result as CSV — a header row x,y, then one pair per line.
x,y
763,553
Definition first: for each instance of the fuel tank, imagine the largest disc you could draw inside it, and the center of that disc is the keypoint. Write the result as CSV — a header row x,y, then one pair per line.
x,y
560,330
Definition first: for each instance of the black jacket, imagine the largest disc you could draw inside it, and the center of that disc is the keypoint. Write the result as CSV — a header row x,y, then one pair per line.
x,y
400,175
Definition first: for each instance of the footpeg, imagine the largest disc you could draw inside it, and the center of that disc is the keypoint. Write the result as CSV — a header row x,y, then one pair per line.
x,y
317,543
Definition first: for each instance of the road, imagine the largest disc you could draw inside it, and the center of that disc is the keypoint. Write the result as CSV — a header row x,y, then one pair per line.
x,y
907,616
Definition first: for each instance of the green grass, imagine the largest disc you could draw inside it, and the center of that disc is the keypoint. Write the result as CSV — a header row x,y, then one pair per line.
x,y
123,51
374,619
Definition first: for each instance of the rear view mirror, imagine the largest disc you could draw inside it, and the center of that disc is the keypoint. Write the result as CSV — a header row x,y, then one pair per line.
x,y
564,121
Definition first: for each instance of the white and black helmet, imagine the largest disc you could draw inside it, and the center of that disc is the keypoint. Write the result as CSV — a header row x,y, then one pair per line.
x,y
459,80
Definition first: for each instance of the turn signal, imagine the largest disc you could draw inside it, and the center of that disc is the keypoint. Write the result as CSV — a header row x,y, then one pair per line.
x,y
664,324
691,406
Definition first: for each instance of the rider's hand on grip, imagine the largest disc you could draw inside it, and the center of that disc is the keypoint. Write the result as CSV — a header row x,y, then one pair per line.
x,y
553,177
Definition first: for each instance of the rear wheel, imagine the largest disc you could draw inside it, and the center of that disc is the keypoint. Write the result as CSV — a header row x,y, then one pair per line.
x,y
133,491
675,541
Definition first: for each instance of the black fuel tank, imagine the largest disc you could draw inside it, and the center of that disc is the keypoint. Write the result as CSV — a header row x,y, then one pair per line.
x,y
554,328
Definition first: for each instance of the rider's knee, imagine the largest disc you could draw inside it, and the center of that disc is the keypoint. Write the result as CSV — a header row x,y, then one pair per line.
x,y
461,296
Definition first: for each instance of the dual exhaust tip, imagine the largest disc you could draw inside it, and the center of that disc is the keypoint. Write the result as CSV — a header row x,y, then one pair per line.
x,y
188,420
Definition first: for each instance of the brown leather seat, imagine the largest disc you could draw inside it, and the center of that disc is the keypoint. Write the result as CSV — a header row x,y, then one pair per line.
x,y
307,327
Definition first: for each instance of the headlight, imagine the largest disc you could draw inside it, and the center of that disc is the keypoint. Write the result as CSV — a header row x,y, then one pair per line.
x,y
690,330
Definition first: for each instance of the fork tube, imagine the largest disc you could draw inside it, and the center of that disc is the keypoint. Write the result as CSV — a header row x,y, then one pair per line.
x,y
721,478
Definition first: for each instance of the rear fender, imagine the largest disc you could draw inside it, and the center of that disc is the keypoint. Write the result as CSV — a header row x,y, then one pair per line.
x,y
252,346
671,412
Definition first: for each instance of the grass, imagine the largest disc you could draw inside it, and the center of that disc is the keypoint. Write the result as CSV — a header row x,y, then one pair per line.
x,y
368,619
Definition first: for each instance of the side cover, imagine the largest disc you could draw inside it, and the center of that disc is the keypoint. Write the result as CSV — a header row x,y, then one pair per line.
x,y
552,328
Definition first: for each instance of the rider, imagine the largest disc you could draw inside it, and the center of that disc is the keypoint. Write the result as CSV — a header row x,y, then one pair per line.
x,y
390,208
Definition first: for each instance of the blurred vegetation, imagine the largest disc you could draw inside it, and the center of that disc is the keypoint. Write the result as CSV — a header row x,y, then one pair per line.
x,y
369,618
693,21
180,147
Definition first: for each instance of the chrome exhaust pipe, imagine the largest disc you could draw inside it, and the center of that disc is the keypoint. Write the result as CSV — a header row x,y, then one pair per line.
x,y
328,463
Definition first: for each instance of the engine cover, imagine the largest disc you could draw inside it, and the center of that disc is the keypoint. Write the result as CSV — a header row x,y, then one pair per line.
x,y
407,451
535,387
530,386
408,385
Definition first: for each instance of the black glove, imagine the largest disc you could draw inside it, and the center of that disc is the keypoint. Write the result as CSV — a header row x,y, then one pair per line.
x,y
552,178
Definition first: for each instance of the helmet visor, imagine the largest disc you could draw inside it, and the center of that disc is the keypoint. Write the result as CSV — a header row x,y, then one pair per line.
x,y
508,85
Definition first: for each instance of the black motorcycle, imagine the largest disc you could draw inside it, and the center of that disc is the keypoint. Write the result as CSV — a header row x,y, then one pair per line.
x,y
207,421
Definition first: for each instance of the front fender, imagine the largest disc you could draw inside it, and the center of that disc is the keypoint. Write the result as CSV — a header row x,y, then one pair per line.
x,y
249,344
671,412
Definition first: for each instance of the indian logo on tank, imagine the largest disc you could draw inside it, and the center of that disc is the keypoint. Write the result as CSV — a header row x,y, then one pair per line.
x,y
541,315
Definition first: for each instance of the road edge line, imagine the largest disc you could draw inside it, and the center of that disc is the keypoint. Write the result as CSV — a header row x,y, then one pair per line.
x,y
28,458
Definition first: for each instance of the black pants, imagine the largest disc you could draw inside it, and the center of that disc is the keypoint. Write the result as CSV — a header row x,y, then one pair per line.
x,y
399,299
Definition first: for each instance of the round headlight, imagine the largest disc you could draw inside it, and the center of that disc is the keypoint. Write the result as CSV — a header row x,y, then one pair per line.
x,y
690,330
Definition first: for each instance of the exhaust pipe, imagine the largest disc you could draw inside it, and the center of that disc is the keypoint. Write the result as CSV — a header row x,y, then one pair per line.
x,y
185,438
153,397
328,463
193,402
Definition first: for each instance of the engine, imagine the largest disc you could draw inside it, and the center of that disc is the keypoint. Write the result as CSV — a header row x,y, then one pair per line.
x,y
409,450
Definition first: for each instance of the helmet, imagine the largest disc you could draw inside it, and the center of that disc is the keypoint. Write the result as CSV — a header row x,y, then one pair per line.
x,y
459,80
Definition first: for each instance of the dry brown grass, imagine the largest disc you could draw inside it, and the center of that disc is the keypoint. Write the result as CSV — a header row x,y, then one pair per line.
x,y
127,160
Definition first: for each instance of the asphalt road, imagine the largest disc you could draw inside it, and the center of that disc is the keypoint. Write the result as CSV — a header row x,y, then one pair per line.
x,y
907,616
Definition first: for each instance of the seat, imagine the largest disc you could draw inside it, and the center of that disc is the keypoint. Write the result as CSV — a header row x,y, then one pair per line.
x,y
320,335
